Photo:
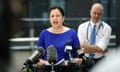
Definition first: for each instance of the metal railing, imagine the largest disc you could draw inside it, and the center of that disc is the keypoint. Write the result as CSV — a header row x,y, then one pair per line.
x,y
35,39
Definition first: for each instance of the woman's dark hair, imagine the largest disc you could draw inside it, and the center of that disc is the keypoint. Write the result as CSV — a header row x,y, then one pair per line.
x,y
56,7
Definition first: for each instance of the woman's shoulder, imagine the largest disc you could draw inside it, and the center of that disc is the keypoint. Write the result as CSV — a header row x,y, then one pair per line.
x,y
72,30
44,31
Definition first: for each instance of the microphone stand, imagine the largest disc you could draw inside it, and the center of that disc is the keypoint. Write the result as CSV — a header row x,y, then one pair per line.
x,y
28,66
52,67
26,69
70,56
71,59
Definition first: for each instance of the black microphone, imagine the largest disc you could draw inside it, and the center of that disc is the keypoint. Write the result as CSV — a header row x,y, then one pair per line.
x,y
80,51
51,54
34,58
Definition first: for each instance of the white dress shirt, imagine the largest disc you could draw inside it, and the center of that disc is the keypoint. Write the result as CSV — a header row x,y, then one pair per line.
x,y
102,35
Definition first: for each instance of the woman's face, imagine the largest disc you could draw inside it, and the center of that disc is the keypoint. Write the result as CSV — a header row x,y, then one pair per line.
x,y
56,18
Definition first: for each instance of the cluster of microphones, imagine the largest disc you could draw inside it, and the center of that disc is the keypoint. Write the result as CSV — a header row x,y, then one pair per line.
x,y
51,54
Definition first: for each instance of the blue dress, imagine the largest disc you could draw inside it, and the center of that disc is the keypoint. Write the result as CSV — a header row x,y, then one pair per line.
x,y
47,38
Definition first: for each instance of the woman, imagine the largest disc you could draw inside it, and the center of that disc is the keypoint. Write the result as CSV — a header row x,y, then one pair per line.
x,y
58,35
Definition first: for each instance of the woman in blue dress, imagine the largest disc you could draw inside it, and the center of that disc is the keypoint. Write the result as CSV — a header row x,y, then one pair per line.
x,y
58,35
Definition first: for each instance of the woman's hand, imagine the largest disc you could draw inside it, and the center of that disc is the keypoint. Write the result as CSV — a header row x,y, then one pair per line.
x,y
78,60
66,62
42,62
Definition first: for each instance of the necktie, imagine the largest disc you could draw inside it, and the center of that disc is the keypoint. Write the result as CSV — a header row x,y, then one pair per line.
x,y
92,39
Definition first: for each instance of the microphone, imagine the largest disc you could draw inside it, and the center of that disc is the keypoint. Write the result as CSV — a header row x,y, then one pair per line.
x,y
80,51
68,49
35,56
51,54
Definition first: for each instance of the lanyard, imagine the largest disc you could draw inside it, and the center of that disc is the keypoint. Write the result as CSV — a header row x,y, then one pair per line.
x,y
100,25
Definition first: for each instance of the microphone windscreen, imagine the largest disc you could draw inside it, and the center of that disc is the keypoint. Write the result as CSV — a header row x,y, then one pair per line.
x,y
41,51
51,54
38,53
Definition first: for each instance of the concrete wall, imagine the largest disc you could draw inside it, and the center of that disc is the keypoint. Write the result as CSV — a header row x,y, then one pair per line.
x,y
18,58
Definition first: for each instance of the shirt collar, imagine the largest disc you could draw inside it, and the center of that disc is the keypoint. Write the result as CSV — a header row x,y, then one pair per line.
x,y
97,24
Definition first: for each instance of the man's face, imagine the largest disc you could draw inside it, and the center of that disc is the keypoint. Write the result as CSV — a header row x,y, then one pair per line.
x,y
96,13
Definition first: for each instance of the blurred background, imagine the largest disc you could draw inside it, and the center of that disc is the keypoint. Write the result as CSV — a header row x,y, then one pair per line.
x,y
22,21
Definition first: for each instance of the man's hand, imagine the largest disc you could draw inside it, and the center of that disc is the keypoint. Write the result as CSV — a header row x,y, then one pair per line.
x,y
91,48
78,60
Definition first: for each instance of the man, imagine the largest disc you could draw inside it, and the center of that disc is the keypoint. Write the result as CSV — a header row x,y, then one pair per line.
x,y
94,48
